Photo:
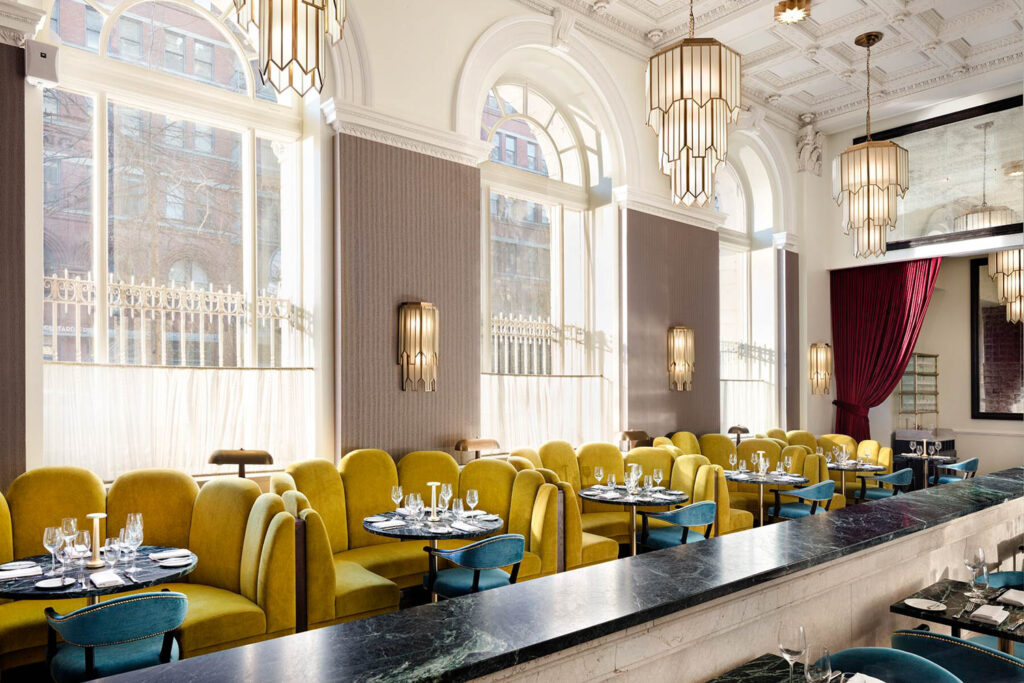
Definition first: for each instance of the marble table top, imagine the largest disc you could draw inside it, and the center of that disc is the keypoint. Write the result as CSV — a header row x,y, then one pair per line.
x,y
765,669
930,458
434,530
669,497
148,573
854,466
768,479
953,594
478,634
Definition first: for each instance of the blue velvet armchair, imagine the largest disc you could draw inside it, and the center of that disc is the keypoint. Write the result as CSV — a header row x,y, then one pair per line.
x,y
898,480
700,514
813,500
962,470
967,660
891,666
478,566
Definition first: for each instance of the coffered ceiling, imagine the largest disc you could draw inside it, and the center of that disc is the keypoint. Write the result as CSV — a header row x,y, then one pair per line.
x,y
933,50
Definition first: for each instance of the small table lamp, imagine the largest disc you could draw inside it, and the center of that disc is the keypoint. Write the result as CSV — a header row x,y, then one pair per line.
x,y
241,457
478,446
632,438
737,430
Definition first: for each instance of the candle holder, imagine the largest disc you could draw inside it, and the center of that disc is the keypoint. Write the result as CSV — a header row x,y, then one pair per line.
x,y
433,500
95,562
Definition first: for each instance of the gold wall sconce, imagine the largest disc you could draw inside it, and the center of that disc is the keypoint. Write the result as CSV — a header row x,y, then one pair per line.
x,y
680,358
418,345
819,368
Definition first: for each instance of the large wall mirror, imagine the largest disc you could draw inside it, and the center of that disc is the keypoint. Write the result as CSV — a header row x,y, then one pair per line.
x,y
997,371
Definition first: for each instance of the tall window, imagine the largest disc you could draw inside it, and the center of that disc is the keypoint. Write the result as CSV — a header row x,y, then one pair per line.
x,y
548,369
184,263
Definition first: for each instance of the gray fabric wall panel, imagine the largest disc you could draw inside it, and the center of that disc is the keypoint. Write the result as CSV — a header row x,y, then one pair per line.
x,y
408,230
672,279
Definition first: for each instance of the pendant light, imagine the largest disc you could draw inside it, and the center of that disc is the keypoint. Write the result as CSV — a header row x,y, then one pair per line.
x,y
1006,268
693,93
868,178
290,41
983,216
792,11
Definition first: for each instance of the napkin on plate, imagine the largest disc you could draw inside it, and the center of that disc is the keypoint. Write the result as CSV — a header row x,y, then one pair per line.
x,y
390,524
376,518
990,615
106,579
462,526
19,573
473,513
1012,597
168,554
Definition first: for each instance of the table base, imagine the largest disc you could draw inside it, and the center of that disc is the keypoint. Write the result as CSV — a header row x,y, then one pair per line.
x,y
632,530
433,566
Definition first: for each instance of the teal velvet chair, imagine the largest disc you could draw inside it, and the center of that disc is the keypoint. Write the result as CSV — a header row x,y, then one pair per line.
x,y
892,666
478,566
814,500
898,480
964,470
998,580
701,514
965,659
123,634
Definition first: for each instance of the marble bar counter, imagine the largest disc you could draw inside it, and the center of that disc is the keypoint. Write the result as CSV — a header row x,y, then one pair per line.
x,y
576,619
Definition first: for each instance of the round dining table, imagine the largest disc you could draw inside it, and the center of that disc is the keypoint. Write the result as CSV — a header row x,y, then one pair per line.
x,y
618,495
762,480
147,573
862,468
431,531
925,459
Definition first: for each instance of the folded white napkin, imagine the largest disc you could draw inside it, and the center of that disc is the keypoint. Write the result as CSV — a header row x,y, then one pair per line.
x,y
608,496
439,529
404,511
19,573
474,513
599,487
106,579
376,518
490,518
1012,597
462,526
390,524
168,554
989,614
863,678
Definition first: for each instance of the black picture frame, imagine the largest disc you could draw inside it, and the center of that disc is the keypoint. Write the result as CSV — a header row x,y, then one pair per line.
x,y
977,413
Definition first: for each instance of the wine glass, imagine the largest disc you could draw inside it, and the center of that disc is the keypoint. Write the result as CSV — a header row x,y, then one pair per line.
x,y
919,450
913,447
732,460
789,463
396,496
974,559
472,498
792,644
611,481
458,509
442,503
415,504
648,482
598,474
84,538
446,491
110,552
134,539
51,541
658,476
828,458
69,529
743,465
817,665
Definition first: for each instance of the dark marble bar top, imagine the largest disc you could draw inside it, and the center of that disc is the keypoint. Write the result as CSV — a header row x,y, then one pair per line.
x,y
483,633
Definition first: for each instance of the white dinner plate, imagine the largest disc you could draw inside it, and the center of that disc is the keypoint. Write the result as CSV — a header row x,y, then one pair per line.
x,y
17,564
56,582
927,605
173,562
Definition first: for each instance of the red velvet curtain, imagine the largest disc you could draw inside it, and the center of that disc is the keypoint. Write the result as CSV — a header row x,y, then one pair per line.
x,y
877,312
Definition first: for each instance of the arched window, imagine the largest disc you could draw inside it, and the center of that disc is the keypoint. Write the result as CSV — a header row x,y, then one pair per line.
x,y
188,273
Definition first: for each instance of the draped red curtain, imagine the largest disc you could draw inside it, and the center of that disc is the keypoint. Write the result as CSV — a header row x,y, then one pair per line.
x,y
877,312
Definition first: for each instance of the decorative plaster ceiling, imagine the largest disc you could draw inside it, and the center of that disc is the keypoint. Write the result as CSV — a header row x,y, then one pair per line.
x,y
933,49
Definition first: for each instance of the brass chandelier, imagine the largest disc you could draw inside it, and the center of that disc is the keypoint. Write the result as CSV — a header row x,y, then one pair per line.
x,y
291,54
1006,268
792,11
983,216
868,178
693,92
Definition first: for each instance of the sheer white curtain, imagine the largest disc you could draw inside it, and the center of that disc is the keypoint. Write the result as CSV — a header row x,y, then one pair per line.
x,y
111,419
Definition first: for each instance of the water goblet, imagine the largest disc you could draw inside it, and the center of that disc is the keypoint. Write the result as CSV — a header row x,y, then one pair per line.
x,y
110,552
913,447
134,538
472,498
458,509
789,462
919,450
446,491
817,665
69,529
611,481
648,482
828,458
658,476
598,473
792,644
974,559
743,465
931,449
732,460
83,539
938,447
51,541
396,496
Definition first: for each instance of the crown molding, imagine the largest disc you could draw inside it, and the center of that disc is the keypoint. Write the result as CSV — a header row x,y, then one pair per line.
x,y
369,124
18,22
656,205
787,241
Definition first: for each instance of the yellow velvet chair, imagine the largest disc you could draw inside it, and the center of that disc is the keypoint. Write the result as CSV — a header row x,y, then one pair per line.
x,y
778,435
649,459
812,466
367,476
164,497
869,448
520,463
610,521
529,454
684,474
717,448
419,467
493,480
686,442
582,548
243,588
42,497
661,441
826,442
800,437
560,458
549,475
747,496
710,484
672,449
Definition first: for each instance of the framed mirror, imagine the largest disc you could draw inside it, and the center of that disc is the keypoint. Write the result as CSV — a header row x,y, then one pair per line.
x,y
997,371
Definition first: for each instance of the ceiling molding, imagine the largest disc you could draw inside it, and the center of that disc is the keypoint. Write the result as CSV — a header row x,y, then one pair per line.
x,y
18,22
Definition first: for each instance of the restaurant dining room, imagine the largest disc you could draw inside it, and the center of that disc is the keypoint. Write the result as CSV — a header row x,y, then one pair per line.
x,y
512,340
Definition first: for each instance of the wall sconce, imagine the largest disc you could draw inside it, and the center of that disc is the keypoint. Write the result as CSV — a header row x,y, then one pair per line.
x,y
417,345
680,358
819,368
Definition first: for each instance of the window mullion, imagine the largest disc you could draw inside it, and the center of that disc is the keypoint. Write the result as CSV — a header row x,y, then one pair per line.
x,y
101,224
249,246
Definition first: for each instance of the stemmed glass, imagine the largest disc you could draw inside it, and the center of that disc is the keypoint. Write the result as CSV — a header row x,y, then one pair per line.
x,y
472,498
974,559
69,529
792,644
611,481
818,665
446,495
598,474
51,541
648,482
913,447
134,536
415,504
919,450
658,476
789,462
396,496
84,538
732,460
458,509
111,552
938,447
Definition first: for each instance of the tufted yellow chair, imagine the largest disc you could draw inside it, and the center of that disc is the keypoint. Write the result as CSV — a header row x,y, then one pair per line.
x,y
827,441
417,468
42,497
520,463
686,442
367,476
717,448
746,496
672,449
661,441
164,497
610,521
560,458
493,480
869,448
799,437
684,474
583,548
649,458
710,484
529,454
549,476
